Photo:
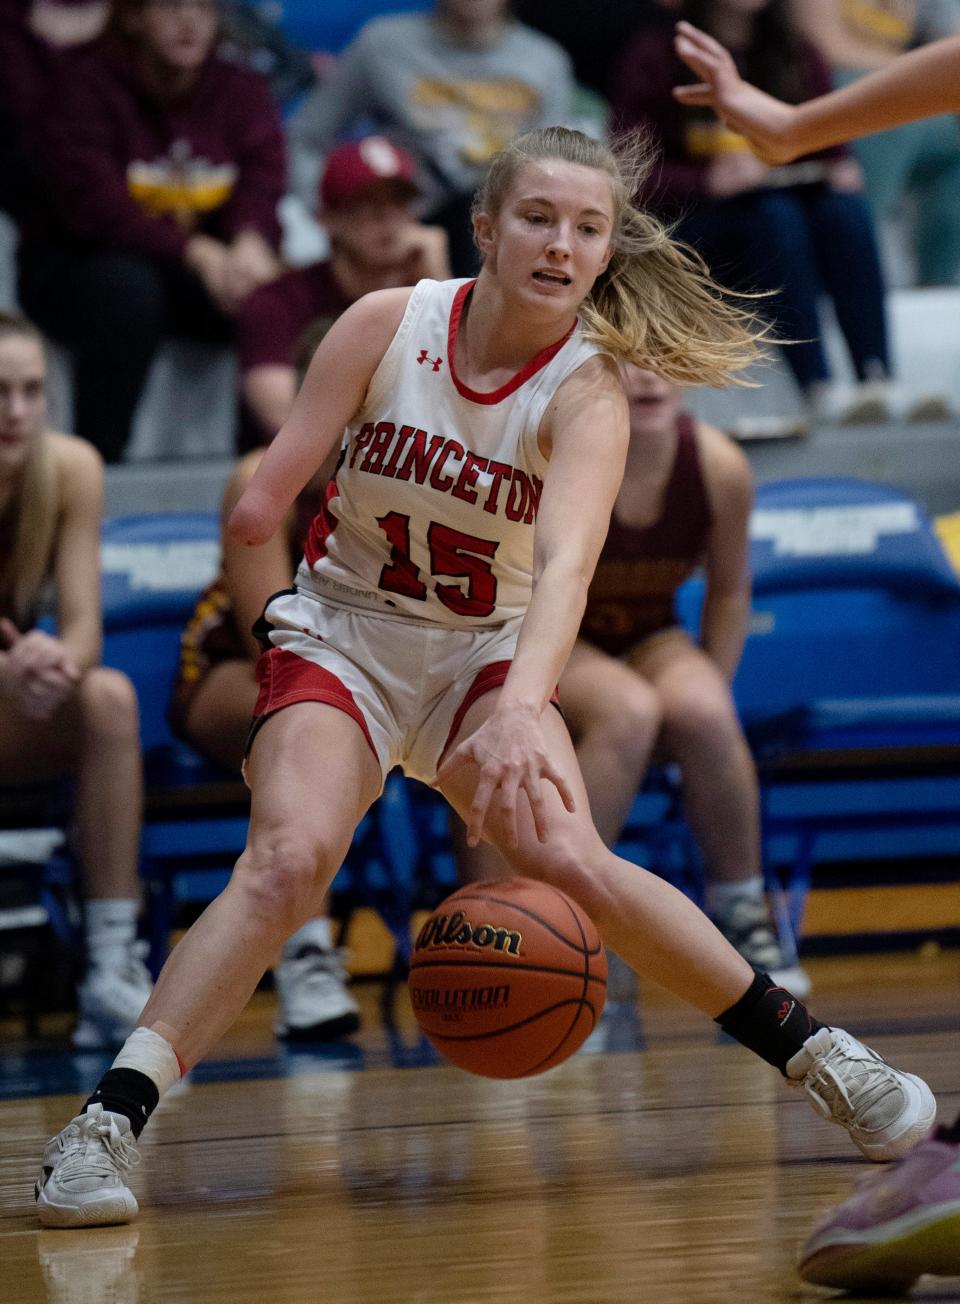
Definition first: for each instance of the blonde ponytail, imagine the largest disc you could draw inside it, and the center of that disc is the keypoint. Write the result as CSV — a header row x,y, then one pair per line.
x,y
656,305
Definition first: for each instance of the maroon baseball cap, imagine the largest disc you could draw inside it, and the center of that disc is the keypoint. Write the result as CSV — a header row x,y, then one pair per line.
x,y
353,167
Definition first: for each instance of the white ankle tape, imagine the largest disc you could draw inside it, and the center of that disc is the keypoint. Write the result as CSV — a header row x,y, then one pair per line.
x,y
149,1053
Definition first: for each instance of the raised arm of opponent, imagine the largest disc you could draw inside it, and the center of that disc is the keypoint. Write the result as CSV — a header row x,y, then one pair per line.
x,y
918,84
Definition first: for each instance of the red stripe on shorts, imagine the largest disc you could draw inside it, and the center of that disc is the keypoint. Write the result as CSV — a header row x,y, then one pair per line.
x,y
286,678
490,677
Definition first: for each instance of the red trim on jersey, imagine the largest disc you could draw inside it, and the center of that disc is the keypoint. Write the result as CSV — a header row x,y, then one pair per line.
x,y
526,371
486,679
286,678
322,526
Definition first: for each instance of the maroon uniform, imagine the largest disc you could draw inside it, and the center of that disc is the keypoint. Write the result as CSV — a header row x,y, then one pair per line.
x,y
634,586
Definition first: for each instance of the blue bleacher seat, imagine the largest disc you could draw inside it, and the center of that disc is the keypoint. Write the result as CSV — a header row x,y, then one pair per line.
x,y
332,25
154,566
849,685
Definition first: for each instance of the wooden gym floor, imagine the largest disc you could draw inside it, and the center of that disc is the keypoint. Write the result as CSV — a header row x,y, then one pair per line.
x,y
659,1166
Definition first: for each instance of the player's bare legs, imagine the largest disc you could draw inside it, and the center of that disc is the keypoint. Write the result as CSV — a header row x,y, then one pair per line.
x,y
313,999
655,928
615,717
701,732
94,735
312,777
666,938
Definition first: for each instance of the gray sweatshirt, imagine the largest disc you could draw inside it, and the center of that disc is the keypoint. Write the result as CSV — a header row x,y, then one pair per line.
x,y
453,107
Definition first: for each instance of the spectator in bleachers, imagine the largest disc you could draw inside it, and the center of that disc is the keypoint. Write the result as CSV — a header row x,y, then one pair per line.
x,y
366,204
795,230
920,160
164,165
637,688
212,706
453,86
63,714
596,45
32,32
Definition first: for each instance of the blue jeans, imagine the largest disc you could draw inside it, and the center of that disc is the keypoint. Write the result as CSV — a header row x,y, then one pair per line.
x,y
799,243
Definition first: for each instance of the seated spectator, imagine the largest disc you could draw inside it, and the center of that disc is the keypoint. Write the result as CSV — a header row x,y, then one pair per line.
x,y
920,160
32,32
63,714
212,706
453,86
793,230
595,46
164,166
638,688
366,204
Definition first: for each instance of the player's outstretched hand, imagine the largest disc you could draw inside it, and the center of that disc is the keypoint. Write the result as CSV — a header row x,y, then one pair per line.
x,y
510,752
767,123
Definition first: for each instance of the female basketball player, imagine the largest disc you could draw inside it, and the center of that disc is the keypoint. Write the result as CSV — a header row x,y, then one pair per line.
x,y
62,713
484,436
918,84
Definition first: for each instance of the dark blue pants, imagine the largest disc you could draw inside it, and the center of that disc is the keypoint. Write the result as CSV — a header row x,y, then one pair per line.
x,y
112,310
800,243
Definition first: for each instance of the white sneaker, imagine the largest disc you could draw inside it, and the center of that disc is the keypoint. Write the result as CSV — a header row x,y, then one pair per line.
x,y
81,1182
864,402
110,1002
313,1001
885,1111
774,425
747,926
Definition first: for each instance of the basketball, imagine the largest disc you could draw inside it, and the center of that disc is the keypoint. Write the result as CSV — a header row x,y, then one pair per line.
x,y
508,978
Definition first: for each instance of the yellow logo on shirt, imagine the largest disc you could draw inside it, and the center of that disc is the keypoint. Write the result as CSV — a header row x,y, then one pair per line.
x,y
180,185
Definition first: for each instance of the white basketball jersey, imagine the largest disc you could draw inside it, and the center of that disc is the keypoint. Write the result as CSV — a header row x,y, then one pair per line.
x,y
432,508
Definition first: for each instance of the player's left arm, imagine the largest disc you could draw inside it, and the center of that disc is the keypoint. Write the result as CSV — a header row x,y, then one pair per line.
x,y
726,606
585,434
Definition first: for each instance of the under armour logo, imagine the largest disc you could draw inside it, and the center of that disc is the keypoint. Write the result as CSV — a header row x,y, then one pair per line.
x,y
436,363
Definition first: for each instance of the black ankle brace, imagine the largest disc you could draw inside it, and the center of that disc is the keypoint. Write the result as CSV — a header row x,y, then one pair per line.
x,y
769,1021
127,1092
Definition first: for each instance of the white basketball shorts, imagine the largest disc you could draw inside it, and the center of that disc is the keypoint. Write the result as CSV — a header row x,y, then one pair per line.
x,y
407,685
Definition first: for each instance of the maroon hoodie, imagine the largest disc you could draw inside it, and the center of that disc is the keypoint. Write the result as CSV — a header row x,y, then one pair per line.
x,y
127,170
642,96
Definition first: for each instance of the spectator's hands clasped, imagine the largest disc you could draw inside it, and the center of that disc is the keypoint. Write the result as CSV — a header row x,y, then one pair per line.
x,y
37,673
845,175
767,123
511,754
208,258
250,263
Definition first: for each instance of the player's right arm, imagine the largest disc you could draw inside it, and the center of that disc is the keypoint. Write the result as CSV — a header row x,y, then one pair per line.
x,y
919,84
333,390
